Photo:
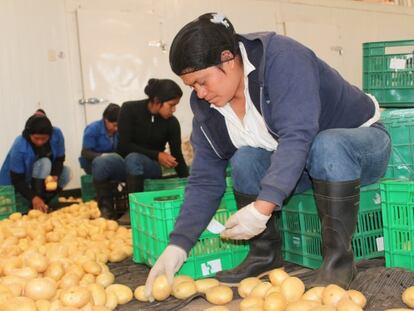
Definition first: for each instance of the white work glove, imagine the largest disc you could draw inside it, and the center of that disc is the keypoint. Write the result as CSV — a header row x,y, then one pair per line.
x,y
245,224
168,263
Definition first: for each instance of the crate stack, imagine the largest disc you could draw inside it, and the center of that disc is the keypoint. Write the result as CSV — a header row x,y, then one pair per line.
x,y
385,224
389,76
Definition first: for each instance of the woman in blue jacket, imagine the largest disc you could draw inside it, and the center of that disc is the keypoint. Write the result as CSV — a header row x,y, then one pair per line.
x,y
99,157
34,155
286,121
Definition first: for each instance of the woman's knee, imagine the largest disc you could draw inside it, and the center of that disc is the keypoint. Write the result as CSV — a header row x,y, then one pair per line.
x,y
42,168
331,158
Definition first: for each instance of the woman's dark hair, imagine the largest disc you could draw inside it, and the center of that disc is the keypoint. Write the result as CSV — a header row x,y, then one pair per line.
x,y
163,90
111,112
199,44
37,124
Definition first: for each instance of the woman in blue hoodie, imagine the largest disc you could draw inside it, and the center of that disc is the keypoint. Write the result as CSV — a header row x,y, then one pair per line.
x,y
37,153
287,122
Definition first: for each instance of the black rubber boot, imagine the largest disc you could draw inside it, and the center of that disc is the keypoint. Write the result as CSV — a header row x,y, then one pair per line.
x,y
265,250
135,183
104,195
338,204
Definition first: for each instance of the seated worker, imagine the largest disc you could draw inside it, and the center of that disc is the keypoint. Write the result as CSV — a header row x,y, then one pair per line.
x,y
100,138
145,127
36,154
287,122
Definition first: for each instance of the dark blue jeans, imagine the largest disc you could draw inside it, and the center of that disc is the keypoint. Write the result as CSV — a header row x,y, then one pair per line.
x,y
139,164
112,167
335,155
109,167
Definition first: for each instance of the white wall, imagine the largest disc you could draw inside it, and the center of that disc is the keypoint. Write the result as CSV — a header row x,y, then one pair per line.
x,y
33,32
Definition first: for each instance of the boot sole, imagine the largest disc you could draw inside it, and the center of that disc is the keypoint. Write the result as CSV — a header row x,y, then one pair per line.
x,y
263,274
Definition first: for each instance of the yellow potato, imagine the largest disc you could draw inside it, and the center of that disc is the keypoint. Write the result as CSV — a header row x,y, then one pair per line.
x,y
43,305
217,308
314,294
250,302
324,308
161,289
51,186
273,289
302,305
219,295
111,300
357,297
98,294
20,304
204,284
292,289
55,271
105,279
178,280
68,280
139,293
5,294
260,290
75,296
332,294
185,290
247,285
347,304
277,276
408,297
275,302
92,267
40,288
123,293
100,308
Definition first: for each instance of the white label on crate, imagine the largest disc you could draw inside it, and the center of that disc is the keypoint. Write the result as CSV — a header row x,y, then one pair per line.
x,y
380,244
215,227
377,199
210,267
397,63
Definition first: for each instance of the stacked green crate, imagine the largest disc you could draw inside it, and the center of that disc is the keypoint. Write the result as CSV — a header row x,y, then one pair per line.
x,y
398,216
388,72
87,188
153,216
400,125
7,201
22,204
301,228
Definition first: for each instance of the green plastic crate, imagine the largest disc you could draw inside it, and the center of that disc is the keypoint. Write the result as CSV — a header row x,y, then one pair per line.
x,y
153,216
400,125
300,228
22,204
388,72
87,188
398,217
174,183
7,201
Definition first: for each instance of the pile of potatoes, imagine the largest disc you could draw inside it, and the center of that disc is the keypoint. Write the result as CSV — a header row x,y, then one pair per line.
x,y
57,261
184,286
282,293
287,293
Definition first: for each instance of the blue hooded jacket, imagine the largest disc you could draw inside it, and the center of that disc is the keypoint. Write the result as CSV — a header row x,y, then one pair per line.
x,y
298,95
21,157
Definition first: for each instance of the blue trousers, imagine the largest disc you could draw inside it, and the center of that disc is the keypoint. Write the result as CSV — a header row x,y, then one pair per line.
x,y
112,167
335,155
42,169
